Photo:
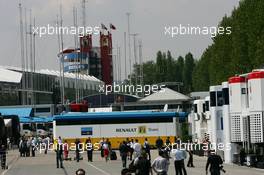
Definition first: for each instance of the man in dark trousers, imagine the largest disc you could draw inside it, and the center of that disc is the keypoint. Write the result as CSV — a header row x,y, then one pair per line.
x,y
3,156
242,156
59,159
77,151
147,148
124,149
89,148
215,162
190,161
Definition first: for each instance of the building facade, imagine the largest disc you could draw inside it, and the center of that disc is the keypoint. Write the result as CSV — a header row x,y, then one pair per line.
x,y
44,87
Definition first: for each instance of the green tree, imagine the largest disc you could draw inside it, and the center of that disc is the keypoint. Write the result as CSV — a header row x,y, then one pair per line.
x,y
170,68
187,72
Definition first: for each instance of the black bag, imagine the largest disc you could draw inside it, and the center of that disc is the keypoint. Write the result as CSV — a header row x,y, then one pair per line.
x,y
113,155
132,167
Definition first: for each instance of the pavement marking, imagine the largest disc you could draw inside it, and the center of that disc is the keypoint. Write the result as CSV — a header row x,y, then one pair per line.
x,y
102,171
65,172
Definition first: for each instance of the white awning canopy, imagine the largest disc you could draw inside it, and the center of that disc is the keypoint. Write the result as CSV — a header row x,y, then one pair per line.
x,y
10,76
165,95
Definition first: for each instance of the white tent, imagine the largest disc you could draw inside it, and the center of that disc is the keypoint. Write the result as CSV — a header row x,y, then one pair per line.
x,y
10,76
166,95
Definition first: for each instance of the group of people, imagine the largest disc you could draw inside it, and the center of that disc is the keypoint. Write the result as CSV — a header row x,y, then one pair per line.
x,y
132,150
140,156
141,164
28,145
62,150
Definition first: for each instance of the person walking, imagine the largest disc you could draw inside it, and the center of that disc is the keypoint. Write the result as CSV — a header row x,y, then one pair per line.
x,y
89,147
147,148
168,142
59,159
29,142
21,151
77,151
106,151
66,150
137,149
123,153
3,152
47,144
131,149
143,165
160,165
168,145
179,156
190,161
101,143
159,143
33,145
59,140
242,156
215,162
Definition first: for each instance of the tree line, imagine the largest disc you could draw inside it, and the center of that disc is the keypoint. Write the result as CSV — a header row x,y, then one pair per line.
x,y
237,53
167,69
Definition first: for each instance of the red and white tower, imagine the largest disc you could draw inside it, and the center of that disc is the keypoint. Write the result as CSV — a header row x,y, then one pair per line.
x,y
106,57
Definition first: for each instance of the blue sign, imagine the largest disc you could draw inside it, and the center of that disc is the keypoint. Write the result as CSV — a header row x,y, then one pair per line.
x,y
74,56
87,131
74,67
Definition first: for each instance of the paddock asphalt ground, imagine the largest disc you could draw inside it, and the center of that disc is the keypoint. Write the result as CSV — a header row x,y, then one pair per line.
x,y
46,165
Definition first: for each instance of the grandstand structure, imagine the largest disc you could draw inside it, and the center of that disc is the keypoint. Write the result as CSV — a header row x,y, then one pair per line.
x,y
45,88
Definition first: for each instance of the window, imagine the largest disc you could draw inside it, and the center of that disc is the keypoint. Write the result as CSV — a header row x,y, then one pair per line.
x,y
114,121
222,123
243,91
213,99
219,98
203,107
40,126
39,110
195,108
225,96
207,106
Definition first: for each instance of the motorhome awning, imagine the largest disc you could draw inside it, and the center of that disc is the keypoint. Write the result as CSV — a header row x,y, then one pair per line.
x,y
20,112
36,120
10,76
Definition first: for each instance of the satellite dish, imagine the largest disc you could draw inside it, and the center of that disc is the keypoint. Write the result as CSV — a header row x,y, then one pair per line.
x,y
165,109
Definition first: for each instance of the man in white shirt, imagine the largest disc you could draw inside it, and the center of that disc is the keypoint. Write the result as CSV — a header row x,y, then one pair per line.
x,y
131,149
160,165
137,149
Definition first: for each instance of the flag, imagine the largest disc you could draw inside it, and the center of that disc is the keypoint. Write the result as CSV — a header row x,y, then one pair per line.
x,y
112,26
103,27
